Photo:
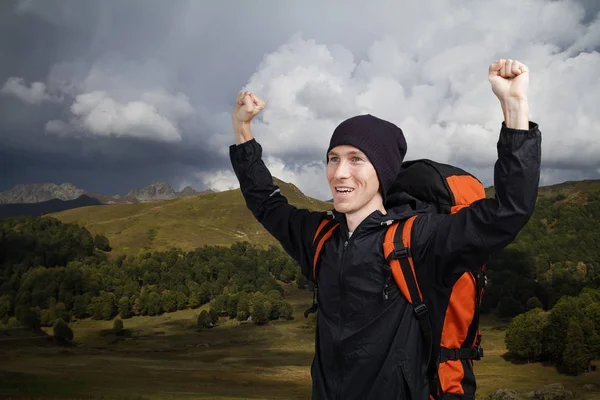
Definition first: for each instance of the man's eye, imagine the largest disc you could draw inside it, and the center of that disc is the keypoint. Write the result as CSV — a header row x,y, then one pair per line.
x,y
356,159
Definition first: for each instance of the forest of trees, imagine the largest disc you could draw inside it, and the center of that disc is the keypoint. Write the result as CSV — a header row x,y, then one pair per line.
x,y
555,255
51,270
568,334
56,270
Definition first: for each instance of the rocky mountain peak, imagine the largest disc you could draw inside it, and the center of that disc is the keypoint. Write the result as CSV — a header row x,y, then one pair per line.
x,y
38,192
188,191
158,190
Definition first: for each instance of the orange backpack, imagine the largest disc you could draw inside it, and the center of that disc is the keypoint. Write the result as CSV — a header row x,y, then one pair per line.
x,y
446,189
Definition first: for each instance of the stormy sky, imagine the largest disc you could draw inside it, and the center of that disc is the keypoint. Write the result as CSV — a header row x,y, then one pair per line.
x,y
116,94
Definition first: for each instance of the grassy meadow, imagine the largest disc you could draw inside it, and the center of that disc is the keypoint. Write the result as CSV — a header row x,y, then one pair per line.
x,y
165,357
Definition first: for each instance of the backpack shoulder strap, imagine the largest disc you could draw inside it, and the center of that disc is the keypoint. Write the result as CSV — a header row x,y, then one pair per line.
x,y
324,232
396,250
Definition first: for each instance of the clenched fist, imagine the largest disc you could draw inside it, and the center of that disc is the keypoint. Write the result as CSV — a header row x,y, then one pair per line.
x,y
509,79
510,83
247,107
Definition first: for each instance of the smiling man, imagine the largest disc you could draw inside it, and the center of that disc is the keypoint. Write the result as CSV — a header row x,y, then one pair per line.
x,y
364,157
369,346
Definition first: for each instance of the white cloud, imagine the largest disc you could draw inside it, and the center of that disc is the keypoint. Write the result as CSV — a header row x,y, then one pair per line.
x,y
422,65
99,114
35,94
432,82
306,176
220,180
113,97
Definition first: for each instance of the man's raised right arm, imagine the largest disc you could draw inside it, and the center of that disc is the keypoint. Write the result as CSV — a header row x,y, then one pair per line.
x,y
291,226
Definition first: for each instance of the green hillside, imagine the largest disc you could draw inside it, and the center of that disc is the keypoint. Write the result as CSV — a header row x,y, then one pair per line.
x,y
187,223
572,191
556,254
223,219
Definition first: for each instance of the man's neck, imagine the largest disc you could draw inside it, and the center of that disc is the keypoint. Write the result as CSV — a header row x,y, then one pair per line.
x,y
354,219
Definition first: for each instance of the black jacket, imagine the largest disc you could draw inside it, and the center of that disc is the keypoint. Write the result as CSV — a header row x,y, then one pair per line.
x,y
369,347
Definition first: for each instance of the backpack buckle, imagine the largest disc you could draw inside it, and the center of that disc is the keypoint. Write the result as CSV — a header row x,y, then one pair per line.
x,y
479,353
453,354
421,310
402,253
398,254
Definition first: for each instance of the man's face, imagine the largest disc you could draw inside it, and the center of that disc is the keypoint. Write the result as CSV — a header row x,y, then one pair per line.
x,y
352,179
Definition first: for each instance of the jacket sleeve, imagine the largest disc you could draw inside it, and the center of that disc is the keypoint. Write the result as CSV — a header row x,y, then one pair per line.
x,y
292,227
465,240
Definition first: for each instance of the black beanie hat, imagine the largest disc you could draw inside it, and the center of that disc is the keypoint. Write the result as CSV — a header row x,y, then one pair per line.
x,y
381,141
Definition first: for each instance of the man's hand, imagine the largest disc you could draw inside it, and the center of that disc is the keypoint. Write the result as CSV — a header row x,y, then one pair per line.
x,y
247,107
509,79
510,83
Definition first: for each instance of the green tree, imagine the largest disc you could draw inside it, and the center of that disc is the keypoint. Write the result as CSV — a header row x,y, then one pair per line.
x,y
118,326
204,320
286,311
575,359
5,306
182,300
48,316
169,301
301,280
219,304
508,307
525,334
101,242
287,275
124,307
260,309
30,319
61,311
62,332
194,300
243,307
232,303
558,321
103,306
80,305
534,302
214,316
154,304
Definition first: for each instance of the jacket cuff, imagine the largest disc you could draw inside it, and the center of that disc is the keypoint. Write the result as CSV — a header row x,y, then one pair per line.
x,y
533,128
245,151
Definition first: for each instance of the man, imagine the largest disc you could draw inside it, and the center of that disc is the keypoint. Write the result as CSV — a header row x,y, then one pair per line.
x,y
369,346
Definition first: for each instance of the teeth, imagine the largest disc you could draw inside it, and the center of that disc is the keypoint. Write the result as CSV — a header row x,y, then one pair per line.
x,y
344,190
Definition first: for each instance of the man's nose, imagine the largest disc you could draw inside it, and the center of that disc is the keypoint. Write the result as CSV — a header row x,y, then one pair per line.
x,y
342,171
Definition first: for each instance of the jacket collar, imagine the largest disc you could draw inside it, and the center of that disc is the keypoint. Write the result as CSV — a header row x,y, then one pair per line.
x,y
376,219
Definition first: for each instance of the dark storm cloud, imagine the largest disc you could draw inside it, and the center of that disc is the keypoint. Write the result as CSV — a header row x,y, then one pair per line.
x,y
591,7
38,36
188,59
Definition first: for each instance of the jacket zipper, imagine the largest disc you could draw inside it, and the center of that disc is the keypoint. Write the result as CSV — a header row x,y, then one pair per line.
x,y
341,326
387,282
342,298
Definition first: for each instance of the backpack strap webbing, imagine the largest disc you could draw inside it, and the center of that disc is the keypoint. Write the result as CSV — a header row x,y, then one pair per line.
x,y
323,232
396,247
472,353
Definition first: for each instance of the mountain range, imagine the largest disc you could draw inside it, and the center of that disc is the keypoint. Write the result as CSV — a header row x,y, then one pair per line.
x,y
158,218
41,198
40,192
